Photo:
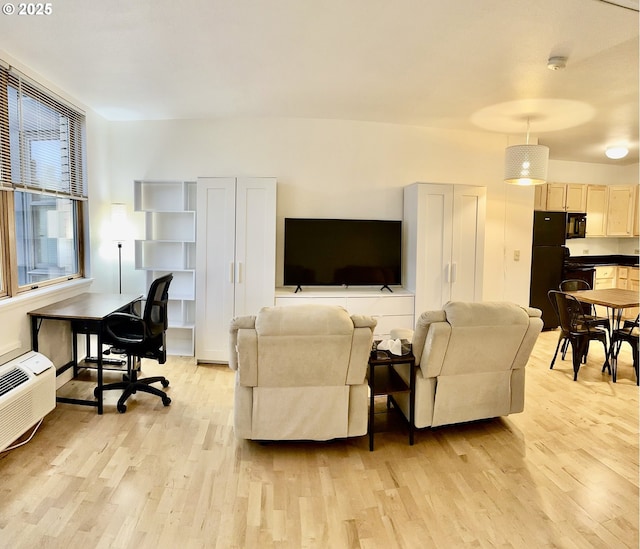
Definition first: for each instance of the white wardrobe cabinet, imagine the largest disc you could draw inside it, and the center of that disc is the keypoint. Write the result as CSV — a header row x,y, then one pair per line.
x,y
235,256
443,239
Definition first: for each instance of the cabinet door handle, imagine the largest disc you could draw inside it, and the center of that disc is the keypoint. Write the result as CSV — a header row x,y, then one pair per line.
x,y
239,274
232,269
454,271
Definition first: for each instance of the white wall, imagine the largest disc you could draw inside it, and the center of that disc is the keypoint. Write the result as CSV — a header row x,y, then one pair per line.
x,y
334,168
324,167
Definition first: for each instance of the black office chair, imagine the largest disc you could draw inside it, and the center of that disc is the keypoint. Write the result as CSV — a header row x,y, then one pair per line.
x,y
590,314
575,328
140,337
629,332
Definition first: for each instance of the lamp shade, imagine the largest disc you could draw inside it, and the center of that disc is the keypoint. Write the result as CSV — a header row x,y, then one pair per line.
x,y
118,228
526,164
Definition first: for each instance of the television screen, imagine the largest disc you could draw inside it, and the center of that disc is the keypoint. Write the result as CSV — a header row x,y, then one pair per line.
x,y
349,252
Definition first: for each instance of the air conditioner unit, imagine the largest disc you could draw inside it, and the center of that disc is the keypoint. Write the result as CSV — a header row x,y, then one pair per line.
x,y
27,394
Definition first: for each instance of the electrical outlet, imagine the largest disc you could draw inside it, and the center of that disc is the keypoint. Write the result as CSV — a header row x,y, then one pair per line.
x,y
636,251
516,255
585,251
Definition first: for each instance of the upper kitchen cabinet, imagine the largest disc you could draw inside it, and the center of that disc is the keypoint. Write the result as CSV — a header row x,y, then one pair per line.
x,y
620,210
566,197
596,210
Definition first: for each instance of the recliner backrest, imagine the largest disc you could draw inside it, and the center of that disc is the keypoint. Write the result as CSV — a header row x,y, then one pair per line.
x,y
471,337
305,345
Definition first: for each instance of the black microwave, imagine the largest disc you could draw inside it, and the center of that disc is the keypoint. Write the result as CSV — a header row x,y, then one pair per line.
x,y
576,225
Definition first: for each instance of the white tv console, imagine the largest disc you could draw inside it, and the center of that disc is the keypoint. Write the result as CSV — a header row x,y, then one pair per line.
x,y
391,309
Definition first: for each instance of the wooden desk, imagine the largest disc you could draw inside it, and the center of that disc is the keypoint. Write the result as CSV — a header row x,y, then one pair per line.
x,y
616,300
86,313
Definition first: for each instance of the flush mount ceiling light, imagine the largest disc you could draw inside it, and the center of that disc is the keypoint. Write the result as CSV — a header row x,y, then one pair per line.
x,y
556,63
526,164
616,152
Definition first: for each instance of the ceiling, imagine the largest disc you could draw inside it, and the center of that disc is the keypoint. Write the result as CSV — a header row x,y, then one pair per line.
x,y
464,64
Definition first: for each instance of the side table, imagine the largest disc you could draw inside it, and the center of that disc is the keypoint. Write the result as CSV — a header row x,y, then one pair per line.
x,y
384,380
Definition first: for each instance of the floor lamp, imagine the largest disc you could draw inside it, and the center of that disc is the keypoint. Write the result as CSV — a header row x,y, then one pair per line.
x,y
118,220
120,267
118,230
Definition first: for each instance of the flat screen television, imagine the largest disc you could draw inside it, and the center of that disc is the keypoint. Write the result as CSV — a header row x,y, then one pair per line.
x,y
346,252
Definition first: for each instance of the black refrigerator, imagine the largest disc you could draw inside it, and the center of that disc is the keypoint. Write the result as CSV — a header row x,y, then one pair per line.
x,y
547,262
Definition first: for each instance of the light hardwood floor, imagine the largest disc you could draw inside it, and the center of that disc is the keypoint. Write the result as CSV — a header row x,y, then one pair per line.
x,y
564,473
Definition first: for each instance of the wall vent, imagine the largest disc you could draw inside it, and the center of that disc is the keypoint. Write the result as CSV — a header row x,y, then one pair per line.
x,y
12,379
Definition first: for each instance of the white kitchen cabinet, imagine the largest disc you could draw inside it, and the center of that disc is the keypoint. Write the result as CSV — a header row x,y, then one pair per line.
x,y
169,247
391,310
620,210
235,265
597,196
443,241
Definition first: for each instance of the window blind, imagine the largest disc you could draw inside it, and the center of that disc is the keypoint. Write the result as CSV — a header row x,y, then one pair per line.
x,y
42,140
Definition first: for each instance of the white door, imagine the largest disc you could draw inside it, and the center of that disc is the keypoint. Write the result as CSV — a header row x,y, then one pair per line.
x,y
467,250
215,266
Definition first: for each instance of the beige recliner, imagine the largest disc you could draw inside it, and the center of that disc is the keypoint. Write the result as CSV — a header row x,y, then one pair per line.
x,y
471,360
301,373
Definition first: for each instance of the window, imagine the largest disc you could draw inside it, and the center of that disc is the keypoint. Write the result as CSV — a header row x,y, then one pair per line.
x,y
42,185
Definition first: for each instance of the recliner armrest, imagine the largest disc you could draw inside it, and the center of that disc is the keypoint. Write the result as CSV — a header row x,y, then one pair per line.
x,y
364,321
238,323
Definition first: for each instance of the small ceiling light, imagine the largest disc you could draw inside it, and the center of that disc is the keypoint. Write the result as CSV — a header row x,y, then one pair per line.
x,y
556,63
526,164
616,152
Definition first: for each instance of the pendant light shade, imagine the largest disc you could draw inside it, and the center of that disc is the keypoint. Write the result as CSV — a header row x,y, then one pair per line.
x,y
526,164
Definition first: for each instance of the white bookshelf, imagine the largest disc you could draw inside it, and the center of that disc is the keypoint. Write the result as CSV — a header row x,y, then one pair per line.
x,y
169,246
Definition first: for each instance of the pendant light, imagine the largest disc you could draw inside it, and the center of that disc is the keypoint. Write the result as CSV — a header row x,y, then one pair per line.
x,y
526,164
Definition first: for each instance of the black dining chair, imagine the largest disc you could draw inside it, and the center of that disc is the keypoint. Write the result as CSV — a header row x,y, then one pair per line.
x,y
628,333
575,328
590,313
141,337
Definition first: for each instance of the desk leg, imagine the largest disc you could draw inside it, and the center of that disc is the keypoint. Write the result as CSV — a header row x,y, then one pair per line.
x,y
74,350
99,366
34,333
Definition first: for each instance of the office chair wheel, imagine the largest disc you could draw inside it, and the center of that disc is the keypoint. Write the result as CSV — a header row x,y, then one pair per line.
x,y
166,400
122,408
165,383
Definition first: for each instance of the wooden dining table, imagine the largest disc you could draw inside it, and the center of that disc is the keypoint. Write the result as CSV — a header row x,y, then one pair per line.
x,y
616,300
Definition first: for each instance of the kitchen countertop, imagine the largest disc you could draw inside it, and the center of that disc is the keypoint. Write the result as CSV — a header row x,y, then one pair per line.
x,y
590,261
